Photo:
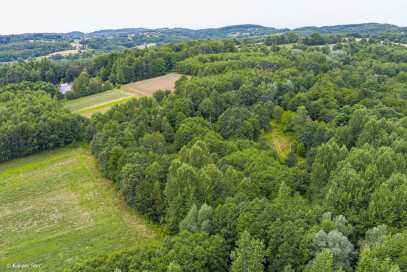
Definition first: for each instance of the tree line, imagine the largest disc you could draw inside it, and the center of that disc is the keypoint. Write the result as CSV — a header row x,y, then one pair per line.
x,y
32,120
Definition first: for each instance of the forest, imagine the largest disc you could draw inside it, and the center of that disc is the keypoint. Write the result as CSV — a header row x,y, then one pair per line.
x,y
198,162
25,46
15,47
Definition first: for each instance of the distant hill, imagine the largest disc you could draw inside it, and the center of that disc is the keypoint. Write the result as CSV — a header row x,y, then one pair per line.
x,y
234,31
369,28
29,45
251,30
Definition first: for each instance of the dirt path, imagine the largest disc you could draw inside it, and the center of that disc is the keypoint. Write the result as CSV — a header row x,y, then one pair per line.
x,y
278,140
277,145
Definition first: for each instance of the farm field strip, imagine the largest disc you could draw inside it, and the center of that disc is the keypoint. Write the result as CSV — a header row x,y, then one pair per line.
x,y
102,102
95,100
147,87
97,107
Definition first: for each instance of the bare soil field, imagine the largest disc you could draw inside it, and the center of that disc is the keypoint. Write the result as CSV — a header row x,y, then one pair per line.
x,y
148,86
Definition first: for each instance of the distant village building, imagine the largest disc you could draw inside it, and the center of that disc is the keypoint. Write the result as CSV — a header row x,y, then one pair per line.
x,y
65,87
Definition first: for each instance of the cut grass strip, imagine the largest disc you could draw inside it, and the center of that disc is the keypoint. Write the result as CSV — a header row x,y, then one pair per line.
x,y
96,99
105,105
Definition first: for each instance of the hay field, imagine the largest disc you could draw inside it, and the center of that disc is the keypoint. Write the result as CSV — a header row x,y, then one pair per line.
x,y
148,86
56,209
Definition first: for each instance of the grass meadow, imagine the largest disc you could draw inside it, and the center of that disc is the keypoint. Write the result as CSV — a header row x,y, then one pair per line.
x,y
56,209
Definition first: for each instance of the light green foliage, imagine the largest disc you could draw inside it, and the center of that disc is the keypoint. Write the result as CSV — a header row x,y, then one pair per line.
x,y
190,222
346,191
300,119
323,262
249,255
278,113
174,267
388,204
339,223
336,244
370,263
286,121
337,56
374,236
327,158
198,220
204,218
192,179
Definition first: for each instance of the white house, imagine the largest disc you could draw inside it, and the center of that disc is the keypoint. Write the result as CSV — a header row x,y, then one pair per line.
x,y
65,87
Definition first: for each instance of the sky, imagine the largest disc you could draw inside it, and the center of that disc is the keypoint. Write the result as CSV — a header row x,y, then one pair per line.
x,y
38,16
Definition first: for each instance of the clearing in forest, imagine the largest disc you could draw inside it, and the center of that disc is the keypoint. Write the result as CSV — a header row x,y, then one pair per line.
x,y
57,209
279,140
62,53
147,45
148,86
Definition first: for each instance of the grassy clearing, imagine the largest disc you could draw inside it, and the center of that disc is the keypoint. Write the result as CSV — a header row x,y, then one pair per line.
x,y
56,209
145,45
279,140
95,100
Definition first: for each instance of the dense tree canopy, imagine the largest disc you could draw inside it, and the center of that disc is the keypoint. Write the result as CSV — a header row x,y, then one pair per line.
x,y
199,161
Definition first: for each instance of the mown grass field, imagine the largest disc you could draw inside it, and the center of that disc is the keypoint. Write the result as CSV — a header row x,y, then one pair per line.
x,y
96,100
102,108
56,209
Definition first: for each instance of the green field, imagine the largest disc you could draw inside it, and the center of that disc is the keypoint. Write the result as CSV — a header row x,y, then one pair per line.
x,y
101,107
56,210
96,100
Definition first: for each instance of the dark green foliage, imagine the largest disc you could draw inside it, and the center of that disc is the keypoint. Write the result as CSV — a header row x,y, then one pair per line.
x,y
185,252
31,121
